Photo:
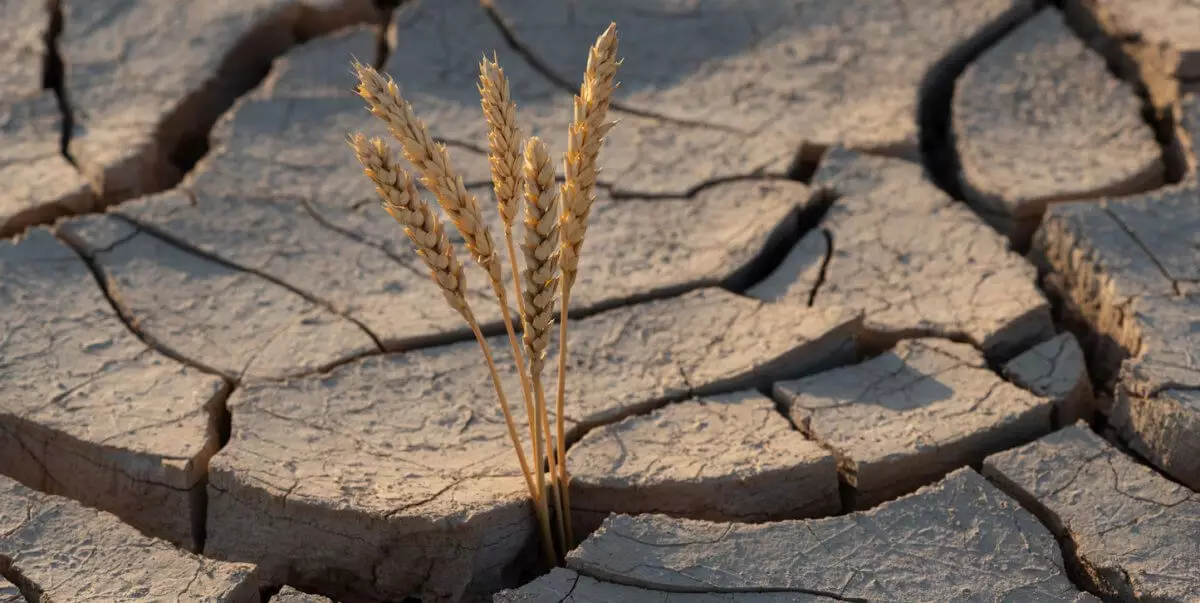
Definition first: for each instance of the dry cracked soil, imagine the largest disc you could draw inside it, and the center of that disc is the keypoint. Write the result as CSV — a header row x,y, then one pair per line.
x,y
879,302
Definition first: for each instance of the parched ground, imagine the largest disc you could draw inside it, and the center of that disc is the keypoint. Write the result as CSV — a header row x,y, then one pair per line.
x,y
880,301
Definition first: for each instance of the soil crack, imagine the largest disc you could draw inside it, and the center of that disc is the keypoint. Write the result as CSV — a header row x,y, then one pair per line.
x,y
935,104
308,296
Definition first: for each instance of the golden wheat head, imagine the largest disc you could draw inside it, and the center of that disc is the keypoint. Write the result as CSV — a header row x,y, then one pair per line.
x,y
421,224
432,161
541,251
555,224
585,137
504,137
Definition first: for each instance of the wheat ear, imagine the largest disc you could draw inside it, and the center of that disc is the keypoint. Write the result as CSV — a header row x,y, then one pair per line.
x,y
433,161
424,228
504,158
541,288
508,179
585,136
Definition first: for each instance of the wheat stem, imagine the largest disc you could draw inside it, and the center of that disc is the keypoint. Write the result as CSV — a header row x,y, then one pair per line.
x,y
564,478
530,402
541,285
585,136
551,459
518,357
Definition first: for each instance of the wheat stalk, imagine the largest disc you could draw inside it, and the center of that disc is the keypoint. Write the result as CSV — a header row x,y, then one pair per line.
x,y
437,174
432,160
424,228
504,158
585,137
555,225
541,287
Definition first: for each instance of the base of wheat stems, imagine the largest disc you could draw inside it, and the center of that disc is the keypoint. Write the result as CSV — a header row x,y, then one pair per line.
x,y
556,470
539,506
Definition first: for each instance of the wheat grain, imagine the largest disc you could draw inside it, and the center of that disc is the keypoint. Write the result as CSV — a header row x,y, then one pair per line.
x,y
504,138
422,226
541,286
585,137
541,251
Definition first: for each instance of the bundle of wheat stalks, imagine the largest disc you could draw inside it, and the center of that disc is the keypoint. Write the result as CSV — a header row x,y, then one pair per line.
x,y
555,223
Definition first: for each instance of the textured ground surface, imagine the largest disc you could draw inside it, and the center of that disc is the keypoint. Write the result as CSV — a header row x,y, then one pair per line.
x,y
1146,543
843,251
906,417
290,595
999,551
366,470
59,550
39,181
1131,267
727,457
1038,118
917,262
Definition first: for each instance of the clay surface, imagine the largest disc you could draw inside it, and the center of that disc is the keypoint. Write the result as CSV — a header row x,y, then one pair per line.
x,y
825,73
288,594
400,466
232,322
9,592
59,550
86,409
1165,428
999,551
904,419
285,139
1038,118
1170,25
917,262
144,78
1129,267
730,457
568,586
238,352
1056,369
1136,534
39,183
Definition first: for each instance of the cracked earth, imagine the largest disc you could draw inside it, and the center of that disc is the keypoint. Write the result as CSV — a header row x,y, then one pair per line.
x,y
880,302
